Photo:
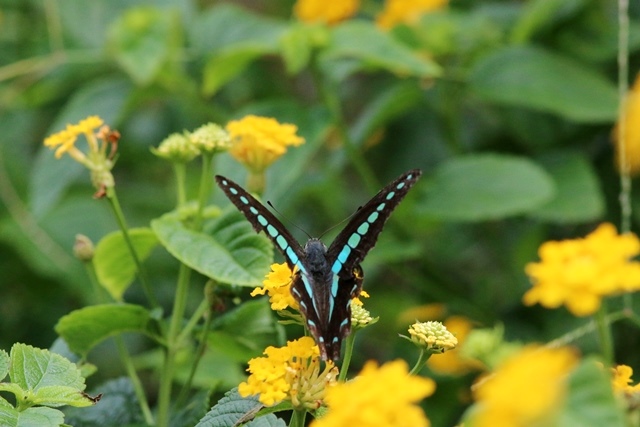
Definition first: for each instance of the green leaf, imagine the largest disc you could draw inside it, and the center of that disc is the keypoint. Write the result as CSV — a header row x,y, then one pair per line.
x,y
269,420
232,252
230,410
4,364
118,407
31,417
487,187
534,78
114,265
227,64
578,197
85,328
248,330
46,378
297,45
143,40
51,176
376,49
538,15
231,48
591,402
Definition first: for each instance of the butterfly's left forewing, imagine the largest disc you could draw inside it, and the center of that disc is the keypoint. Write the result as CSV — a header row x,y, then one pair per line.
x,y
263,220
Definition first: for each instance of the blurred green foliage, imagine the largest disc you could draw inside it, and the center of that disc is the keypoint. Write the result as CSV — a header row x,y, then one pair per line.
x,y
506,106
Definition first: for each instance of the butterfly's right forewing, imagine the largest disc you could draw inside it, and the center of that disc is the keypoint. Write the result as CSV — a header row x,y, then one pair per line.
x,y
263,220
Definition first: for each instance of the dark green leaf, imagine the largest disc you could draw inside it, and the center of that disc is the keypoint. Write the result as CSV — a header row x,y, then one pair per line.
x,y
85,328
232,252
223,66
487,187
534,78
143,40
374,48
541,15
269,420
578,197
114,265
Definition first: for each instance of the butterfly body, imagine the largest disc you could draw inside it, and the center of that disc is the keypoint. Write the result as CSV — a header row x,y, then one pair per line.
x,y
325,280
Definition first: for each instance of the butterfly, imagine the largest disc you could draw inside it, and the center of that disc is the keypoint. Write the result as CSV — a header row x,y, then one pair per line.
x,y
325,280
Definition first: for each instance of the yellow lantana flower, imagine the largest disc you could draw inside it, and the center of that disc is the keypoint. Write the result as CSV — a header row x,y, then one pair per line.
x,y
323,11
102,146
631,138
278,286
290,373
526,389
579,273
406,11
622,380
259,141
432,336
385,396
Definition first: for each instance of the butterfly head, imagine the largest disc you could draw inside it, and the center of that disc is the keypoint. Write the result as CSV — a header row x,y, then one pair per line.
x,y
315,252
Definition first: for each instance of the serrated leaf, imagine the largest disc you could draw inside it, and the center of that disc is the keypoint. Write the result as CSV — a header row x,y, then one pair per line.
x,y
31,417
55,396
231,253
591,402
269,420
366,43
534,78
4,364
487,187
84,328
578,197
114,265
34,368
231,410
143,39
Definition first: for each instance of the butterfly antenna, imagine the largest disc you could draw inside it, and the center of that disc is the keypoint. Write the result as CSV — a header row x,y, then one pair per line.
x,y
288,220
341,222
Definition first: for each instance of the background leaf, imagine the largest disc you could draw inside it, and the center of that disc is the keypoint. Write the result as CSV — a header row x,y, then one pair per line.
x,y
483,187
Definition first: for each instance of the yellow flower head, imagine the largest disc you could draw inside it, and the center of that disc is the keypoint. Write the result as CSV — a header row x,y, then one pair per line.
x,y
622,380
525,389
360,316
323,11
259,141
383,396
278,286
290,373
433,336
406,11
99,156
210,138
579,273
176,147
631,139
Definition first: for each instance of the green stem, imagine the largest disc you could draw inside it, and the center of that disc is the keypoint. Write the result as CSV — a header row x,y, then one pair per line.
x,y
117,210
348,352
200,350
173,345
332,101
125,357
180,170
297,418
424,356
604,335
205,187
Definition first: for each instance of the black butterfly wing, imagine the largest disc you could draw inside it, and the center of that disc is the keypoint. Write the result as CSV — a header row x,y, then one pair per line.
x,y
361,233
263,220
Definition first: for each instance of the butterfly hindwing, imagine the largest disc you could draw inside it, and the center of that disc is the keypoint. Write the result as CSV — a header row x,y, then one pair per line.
x,y
361,232
263,220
